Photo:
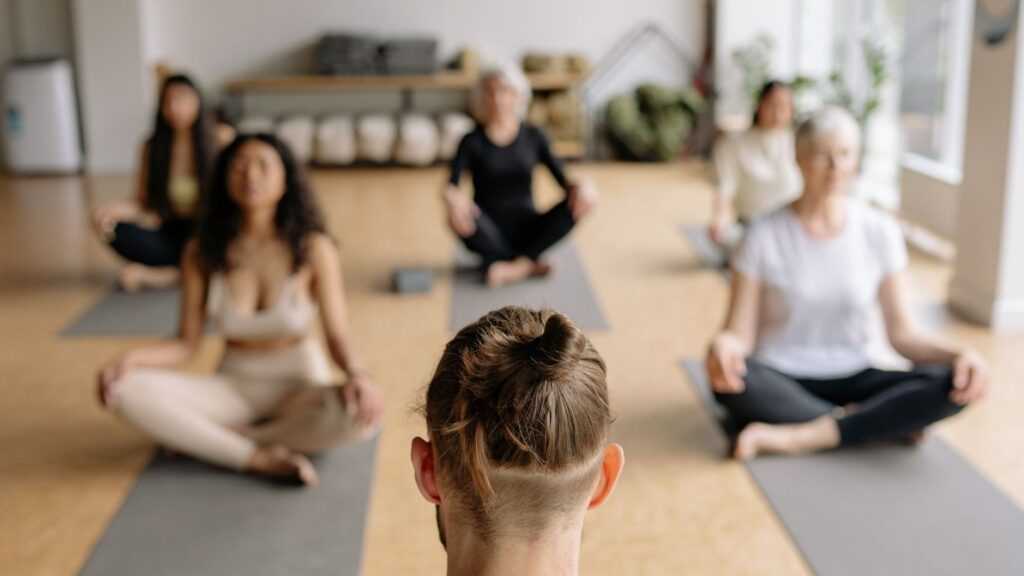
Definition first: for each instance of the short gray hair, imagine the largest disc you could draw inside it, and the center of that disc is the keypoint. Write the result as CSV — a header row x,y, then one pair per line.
x,y
507,73
828,121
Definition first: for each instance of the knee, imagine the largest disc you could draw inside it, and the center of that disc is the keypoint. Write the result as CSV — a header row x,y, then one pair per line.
x,y
735,402
939,380
936,377
131,390
103,224
317,420
753,380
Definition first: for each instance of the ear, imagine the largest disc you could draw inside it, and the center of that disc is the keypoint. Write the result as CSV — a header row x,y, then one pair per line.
x,y
423,467
611,468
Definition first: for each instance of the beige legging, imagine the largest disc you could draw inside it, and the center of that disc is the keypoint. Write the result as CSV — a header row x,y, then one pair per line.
x,y
216,417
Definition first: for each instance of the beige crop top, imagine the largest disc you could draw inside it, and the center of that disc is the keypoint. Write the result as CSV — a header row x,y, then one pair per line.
x,y
183,194
291,315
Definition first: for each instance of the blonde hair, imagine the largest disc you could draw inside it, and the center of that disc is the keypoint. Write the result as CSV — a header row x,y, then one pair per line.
x,y
508,74
518,413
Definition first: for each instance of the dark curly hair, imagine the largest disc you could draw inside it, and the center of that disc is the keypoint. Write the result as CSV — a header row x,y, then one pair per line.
x,y
159,148
297,216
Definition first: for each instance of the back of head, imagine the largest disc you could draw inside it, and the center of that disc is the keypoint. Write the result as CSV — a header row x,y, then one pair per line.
x,y
518,412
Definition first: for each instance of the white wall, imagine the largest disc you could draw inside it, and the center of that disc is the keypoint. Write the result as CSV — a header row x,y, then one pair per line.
x,y
118,42
115,83
221,40
41,28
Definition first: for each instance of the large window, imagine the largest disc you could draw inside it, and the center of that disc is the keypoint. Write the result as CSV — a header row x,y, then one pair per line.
x,y
935,51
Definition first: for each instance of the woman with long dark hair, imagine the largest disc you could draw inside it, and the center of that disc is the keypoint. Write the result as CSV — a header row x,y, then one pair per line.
x,y
266,273
150,232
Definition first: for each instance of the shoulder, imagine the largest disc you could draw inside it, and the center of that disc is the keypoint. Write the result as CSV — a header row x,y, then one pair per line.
x,y
321,249
473,137
534,132
876,223
770,223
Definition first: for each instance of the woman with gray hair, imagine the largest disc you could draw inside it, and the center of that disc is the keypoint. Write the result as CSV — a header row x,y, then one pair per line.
x,y
791,366
500,222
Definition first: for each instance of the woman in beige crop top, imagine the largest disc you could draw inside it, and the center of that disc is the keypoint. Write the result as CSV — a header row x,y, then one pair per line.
x,y
263,272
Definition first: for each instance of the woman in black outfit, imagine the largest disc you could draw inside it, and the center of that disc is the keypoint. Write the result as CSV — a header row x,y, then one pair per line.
x,y
500,222
150,231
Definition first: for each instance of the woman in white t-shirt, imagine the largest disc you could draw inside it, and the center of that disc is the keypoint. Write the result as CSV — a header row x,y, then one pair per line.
x,y
755,170
792,366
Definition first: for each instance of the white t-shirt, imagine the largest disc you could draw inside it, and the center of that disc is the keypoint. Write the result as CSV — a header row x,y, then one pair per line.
x,y
757,170
819,297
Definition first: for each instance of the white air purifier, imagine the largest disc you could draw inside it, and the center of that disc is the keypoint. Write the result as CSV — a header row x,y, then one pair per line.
x,y
40,122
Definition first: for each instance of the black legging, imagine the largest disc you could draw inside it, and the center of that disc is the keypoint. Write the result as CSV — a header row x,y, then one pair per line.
x,y
890,404
516,233
155,247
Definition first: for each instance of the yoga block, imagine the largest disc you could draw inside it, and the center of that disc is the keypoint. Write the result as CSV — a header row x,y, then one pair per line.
x,y
412,280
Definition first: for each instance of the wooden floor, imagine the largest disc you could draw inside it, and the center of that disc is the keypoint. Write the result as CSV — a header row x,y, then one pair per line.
x,y
65,466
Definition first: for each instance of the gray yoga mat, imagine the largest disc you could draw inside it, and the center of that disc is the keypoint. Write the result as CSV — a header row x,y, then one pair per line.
x,y
184,517
889,509
707,251
566,290
120,313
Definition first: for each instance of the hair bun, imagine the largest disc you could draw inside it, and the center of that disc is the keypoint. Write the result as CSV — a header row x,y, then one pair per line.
x,y
560,343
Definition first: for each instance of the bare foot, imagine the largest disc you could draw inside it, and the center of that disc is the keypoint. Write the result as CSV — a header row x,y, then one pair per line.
x,y
135,277
759,438
280,462
509,272
541,269
130,277
914,438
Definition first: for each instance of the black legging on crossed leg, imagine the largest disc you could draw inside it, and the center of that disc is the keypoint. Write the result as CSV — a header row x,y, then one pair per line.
x,y
509,225
889,404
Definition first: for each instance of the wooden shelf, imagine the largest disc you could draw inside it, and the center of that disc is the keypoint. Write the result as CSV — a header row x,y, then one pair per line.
x,y
445,80
554,80
440,80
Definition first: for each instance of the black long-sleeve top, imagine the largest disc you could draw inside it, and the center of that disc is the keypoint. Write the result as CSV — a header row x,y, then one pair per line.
x,y
503,175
